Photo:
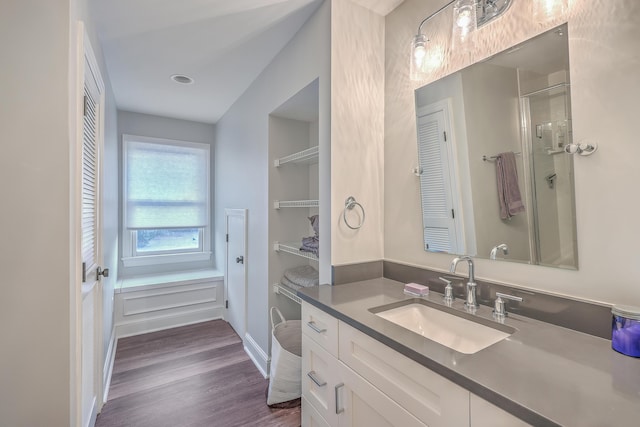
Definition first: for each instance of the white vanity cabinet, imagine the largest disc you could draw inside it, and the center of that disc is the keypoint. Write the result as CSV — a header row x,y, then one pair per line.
x,y
433,399
485,414
351,379
332,393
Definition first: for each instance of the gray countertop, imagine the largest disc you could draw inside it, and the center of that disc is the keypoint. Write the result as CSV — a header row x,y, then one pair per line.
x,y
543,374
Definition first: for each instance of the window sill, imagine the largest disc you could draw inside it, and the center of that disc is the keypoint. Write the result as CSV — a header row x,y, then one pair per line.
x,y
165,259
157,281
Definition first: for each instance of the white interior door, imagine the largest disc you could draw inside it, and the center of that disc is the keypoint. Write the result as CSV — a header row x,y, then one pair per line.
x,y
438,181
236,269
90,148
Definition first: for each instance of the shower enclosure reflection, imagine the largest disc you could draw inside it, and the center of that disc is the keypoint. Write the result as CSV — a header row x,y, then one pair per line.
x,y
516,102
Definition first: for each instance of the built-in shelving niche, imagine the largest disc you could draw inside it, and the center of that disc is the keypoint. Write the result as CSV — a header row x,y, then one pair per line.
x,y
293,191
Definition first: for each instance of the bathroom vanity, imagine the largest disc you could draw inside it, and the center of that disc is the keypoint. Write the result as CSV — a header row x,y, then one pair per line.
x,y
359,368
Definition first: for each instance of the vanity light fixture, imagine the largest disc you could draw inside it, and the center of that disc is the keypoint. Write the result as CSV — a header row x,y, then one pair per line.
x,y
467,16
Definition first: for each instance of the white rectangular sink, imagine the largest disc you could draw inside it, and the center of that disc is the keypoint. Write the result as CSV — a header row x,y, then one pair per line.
x,y
457,333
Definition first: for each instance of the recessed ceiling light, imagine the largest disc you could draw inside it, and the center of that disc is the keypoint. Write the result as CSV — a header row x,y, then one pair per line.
x,y
182,79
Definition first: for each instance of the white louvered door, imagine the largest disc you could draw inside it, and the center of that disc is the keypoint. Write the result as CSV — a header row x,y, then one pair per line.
x,y
90,184
436,186
91,289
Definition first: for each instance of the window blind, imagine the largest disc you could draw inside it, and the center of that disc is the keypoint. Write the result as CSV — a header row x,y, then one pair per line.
x,y
167,185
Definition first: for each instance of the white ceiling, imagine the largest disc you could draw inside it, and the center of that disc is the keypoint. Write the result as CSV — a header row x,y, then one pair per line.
x,y
222,44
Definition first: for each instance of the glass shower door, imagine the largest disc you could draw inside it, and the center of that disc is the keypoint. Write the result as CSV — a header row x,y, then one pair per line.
x,y
551,178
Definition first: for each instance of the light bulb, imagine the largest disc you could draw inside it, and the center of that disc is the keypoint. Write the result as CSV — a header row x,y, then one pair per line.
x,y
464,20
418,54
548,10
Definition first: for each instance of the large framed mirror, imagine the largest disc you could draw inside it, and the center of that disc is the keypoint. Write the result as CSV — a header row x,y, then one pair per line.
x,y
495,180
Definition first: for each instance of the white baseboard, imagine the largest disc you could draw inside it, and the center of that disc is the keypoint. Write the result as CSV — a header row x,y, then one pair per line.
x,y
257,355
91,422
168,321
108,365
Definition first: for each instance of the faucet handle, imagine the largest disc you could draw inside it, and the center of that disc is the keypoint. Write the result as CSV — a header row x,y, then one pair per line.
x,y
448,290
499,310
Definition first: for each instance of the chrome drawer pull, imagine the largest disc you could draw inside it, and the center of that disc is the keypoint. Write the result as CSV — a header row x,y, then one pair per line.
x,y
341,410
319,383
313,326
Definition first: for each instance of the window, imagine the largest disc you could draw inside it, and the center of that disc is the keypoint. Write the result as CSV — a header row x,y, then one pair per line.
x,y
165,201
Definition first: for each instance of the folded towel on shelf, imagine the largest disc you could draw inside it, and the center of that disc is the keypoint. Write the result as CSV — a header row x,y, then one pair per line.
x,y
508,189
289,283
311,244
315,224
304,275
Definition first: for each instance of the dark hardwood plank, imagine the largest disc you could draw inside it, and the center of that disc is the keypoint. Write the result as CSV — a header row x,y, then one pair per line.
x,y
197,375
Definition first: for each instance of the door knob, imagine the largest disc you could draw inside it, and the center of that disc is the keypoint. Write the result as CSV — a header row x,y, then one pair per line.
x,y
240,260
101,272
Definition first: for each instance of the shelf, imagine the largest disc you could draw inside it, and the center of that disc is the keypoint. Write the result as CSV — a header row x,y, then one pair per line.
x,y
286,291
293,249
310,155
295,204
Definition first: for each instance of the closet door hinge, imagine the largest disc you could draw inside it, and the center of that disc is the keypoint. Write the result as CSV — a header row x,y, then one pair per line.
x,y
445,136
227,237
453,214
226,304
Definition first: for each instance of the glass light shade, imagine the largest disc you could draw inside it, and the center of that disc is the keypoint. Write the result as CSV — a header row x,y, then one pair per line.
x,y
418,57
426,57
464,20
548,10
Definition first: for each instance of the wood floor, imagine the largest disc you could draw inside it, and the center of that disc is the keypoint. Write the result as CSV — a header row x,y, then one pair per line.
x,y
197,375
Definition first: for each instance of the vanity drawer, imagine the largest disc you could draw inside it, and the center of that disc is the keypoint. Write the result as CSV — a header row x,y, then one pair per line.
x,y
431,398
319,379
320,327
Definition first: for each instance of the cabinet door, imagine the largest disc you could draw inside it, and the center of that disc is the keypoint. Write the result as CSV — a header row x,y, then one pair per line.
x,y
319,378
311,417
361,404
484,414
433,399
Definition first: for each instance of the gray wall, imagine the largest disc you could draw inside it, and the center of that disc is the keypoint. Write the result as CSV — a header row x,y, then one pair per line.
x,y
242,138
162,127
35,189
37,258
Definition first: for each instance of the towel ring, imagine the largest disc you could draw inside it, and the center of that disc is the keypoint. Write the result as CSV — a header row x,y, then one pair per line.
x,y
349,204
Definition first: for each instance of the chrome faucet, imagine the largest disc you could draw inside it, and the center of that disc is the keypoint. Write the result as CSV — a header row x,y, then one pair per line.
x,y
494,251
471,301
